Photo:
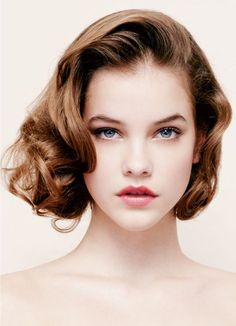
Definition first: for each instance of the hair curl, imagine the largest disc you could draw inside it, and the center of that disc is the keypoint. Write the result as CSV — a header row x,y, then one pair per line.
x,y
54,147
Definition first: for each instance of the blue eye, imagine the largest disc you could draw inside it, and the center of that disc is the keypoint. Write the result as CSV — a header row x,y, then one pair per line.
x,y
107,133
110,133
168,132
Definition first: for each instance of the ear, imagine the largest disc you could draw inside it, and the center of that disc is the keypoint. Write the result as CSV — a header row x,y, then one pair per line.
x,y
200,140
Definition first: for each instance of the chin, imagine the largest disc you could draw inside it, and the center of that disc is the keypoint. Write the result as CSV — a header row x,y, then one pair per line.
x,y
133,220
137,223
136,228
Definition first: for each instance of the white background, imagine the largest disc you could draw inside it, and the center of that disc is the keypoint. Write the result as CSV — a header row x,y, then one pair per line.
x,y
35,34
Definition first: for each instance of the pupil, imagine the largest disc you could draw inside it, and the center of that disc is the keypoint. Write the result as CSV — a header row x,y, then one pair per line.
x,y
109,133
166,132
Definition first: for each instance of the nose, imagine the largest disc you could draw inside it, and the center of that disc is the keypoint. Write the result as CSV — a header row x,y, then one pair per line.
x,y
137,163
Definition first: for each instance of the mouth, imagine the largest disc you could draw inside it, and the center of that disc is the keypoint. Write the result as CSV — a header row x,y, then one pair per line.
x,y
133,194
137,196
136,191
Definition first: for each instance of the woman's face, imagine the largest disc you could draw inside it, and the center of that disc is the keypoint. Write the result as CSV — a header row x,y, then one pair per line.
x,y
139,148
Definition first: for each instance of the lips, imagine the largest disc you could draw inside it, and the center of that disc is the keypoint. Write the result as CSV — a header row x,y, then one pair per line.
x,y
137,196
136,191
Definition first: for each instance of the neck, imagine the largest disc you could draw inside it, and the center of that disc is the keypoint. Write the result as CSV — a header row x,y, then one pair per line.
x,y
122,254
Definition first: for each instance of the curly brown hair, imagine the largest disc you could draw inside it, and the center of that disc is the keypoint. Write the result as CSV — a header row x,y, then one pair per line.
x,y
54,147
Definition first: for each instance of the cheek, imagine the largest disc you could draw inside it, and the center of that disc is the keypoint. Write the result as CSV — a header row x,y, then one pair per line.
x,y
92,183
176,170
182,171
103,172
107,164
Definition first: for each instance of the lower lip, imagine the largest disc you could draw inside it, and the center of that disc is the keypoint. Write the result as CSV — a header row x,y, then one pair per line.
x,y
137,200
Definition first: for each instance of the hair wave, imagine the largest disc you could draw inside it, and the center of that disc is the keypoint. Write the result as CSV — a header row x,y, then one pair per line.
x,y
54,147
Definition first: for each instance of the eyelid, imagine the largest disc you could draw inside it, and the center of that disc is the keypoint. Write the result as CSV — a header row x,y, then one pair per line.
x,y
96,131
99,129
175,129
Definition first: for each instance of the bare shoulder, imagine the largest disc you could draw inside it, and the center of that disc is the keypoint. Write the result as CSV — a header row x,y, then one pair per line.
x,y
219,287
15,285
16,297
28,283
212,294
222,293
219,278
19,283
224,283
21,292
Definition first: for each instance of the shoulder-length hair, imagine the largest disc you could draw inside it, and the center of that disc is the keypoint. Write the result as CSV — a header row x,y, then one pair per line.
x,y
54,147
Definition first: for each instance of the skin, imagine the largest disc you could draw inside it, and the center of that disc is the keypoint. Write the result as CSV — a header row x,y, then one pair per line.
x,y
129,268
141,154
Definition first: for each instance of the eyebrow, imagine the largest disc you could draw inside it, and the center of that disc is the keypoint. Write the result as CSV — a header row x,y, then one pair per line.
x,y
102,117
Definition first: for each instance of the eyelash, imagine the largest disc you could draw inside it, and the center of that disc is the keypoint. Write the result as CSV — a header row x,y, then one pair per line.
x,y
97,132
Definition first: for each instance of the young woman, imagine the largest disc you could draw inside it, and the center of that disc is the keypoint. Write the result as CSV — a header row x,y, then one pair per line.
x,y
130,124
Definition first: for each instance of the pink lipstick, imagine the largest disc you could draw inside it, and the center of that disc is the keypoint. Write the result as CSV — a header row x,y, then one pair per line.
x,y
137,196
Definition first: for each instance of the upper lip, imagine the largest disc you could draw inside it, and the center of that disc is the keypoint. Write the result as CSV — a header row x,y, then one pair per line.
x,y
142,190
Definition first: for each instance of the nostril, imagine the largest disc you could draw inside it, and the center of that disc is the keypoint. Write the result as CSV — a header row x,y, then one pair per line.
x,y
138,169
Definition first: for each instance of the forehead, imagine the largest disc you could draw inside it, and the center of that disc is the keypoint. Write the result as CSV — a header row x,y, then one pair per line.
x,y
149,91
